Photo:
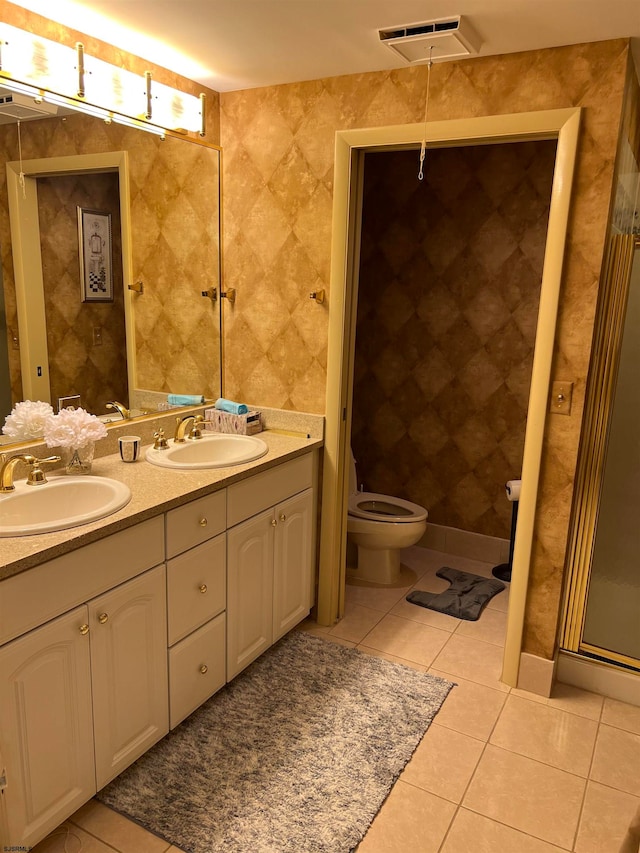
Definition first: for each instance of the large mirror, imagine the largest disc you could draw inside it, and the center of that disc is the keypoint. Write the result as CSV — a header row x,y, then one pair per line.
x,y
148,327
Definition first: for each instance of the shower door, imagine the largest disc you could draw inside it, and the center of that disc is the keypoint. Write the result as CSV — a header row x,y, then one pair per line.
x,y
611,624
605,623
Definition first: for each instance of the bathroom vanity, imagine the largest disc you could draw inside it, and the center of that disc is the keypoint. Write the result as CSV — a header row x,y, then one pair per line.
x,y
112,633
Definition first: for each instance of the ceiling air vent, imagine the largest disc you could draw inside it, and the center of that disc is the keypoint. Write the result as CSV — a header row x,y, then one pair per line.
x,y
16,107
450,38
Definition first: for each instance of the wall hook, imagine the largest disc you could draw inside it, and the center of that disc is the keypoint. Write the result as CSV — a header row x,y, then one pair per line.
x,y
318,295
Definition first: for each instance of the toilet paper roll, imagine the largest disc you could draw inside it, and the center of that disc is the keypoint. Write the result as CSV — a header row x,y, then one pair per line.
x,y
513,490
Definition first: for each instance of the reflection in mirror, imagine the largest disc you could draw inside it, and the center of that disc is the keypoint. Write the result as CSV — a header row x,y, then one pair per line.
x,y
165,194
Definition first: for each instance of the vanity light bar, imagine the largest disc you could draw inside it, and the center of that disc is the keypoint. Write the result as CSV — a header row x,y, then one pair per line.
x,y
44,69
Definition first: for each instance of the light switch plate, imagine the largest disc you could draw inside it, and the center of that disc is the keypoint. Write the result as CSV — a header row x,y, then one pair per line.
x,y
561,394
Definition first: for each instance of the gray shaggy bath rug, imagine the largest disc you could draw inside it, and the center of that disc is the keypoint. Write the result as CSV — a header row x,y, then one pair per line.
x,y
295,755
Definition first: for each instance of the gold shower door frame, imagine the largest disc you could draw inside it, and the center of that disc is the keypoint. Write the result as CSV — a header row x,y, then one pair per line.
x,y
599,401
351,145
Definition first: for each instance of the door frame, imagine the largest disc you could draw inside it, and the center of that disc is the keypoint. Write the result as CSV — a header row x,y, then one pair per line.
x,y
350,147
22,190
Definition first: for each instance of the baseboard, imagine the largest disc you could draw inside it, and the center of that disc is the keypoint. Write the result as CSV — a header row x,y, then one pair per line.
x,y
599,677
536,674
464,543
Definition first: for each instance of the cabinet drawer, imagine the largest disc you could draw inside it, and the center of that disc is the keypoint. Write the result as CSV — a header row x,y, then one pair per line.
x,y
196,587
39,594
195,522
261,491
189,686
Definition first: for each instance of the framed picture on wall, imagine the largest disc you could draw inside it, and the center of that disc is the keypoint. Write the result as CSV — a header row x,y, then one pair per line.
x,y
96,261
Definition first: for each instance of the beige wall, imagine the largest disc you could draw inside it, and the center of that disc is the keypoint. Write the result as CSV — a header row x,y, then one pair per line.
x,y
278,172
448,297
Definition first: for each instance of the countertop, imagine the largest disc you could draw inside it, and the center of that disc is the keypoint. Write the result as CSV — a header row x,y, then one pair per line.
x,y
154,490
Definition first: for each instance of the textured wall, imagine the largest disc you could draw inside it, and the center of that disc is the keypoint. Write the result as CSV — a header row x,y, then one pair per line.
x,y
278,173
448,296
76,364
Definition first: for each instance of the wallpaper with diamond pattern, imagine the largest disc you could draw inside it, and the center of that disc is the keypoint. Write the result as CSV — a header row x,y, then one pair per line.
x,y
77,365
278,147
448,298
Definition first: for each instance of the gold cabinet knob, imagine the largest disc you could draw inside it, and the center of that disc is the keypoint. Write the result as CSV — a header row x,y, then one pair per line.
x,y
203,588
283,517
204,669
103,617
274,523
203,522
84,629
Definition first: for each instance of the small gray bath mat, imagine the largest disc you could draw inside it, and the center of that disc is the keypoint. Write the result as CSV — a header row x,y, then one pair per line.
x,y
295,755
465,598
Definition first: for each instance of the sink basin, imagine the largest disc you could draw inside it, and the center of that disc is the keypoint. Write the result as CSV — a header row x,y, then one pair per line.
x,y
216,450
60,503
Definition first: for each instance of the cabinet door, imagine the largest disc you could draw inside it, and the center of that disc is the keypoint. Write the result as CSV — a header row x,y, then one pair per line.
x,y
46,733
293,564
129,671
249,591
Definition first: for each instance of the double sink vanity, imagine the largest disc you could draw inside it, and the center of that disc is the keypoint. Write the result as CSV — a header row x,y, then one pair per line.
x,y
112,632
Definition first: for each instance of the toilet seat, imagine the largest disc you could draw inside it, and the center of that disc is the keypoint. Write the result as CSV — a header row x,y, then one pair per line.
x,y
383,508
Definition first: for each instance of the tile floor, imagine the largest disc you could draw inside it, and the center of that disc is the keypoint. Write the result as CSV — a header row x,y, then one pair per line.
x,y
499,770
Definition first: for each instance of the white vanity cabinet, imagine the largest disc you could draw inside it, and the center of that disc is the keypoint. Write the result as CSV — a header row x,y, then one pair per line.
x,y
269,558
46,729
84,693
196,595
103,648
127,631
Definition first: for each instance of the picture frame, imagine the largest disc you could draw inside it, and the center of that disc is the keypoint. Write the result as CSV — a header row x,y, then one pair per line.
x,y
95,254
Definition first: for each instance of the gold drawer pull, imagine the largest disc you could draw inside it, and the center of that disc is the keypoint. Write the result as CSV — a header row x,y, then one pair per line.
x,y
84,629
204,669
203,588
274,523
203,522
103,617
283,517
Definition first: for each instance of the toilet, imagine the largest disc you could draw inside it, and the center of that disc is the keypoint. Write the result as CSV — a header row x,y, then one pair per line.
x,y
381,526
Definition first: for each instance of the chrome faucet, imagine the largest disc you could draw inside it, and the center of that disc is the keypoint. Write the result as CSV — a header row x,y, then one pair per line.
x,y
181,427
125,413
36,475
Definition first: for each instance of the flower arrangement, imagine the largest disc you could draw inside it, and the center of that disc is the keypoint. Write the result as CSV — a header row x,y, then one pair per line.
x,y
27,419
73,428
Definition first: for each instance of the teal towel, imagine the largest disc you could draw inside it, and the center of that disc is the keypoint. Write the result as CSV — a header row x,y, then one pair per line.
x,y
185,399
231,407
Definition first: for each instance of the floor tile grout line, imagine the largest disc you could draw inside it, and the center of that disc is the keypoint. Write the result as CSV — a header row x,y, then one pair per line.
x,y
97,837
472,776
514,829
584,779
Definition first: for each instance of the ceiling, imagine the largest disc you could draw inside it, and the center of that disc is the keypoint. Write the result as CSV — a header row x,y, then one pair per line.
x,y
240,44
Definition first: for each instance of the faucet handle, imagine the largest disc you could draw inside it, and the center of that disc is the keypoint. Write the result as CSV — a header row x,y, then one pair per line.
x,y
196,427
36,474
160,442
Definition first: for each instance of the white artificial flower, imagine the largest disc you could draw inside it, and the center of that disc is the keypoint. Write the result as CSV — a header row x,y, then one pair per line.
x,y
73,428
27,419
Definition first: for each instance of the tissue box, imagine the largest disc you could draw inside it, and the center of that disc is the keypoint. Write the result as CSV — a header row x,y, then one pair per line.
x,y
217,421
